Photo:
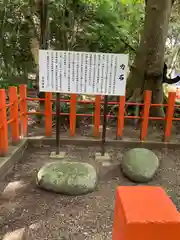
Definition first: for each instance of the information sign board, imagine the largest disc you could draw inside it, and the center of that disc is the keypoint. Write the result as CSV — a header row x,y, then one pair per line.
x,y
82,72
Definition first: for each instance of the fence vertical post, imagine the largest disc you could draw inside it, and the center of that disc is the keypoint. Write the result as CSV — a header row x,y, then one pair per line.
x,y
169,115
120,123
13,99
145,116
97,116
48,114
23,109
3,124
73,114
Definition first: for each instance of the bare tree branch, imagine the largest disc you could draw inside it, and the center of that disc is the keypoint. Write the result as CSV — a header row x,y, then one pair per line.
x,y
128,45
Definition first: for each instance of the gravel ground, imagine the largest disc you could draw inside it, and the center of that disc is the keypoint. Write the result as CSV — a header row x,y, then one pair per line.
x,y
27,212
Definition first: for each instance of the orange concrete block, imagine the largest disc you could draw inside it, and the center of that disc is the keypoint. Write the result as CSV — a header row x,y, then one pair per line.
x,y
145,213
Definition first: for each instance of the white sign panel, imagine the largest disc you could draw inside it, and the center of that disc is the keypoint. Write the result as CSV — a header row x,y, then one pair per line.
x,y
82,73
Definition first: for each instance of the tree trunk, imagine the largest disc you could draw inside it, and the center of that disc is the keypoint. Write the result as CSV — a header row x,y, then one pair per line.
x,y
39,36
136,75
147,69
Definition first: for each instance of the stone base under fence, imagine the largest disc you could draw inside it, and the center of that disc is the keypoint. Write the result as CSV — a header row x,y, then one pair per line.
x,y
61,155
99,157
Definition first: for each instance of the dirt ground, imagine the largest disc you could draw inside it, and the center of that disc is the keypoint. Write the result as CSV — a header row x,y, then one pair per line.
x,y
29,213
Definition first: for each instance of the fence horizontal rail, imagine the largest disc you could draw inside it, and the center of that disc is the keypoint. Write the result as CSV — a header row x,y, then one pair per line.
x,y
93,102
18,114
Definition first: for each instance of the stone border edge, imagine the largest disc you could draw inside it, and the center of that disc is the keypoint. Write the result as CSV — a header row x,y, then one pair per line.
x,y
39,141
15,155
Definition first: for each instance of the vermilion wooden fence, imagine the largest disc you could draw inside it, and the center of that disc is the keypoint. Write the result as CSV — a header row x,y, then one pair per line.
x,y
18,119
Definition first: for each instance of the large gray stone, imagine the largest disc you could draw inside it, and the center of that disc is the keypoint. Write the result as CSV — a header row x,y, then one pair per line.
x,y
71,178
140,165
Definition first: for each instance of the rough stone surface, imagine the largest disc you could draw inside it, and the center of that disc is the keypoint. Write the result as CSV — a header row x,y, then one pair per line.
x,y
71,178
140,165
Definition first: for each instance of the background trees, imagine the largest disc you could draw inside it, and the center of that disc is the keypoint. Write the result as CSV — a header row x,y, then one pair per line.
x,y
93,25
108,26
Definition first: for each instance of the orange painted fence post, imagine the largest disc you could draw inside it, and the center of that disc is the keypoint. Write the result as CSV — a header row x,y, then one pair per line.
x,y
145,116
3,124
169,115
13,100
23,109
73,114
120,124
97,116
144,213
48,114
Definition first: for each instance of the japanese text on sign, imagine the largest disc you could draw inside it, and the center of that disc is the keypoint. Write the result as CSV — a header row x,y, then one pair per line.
x,y
82,73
